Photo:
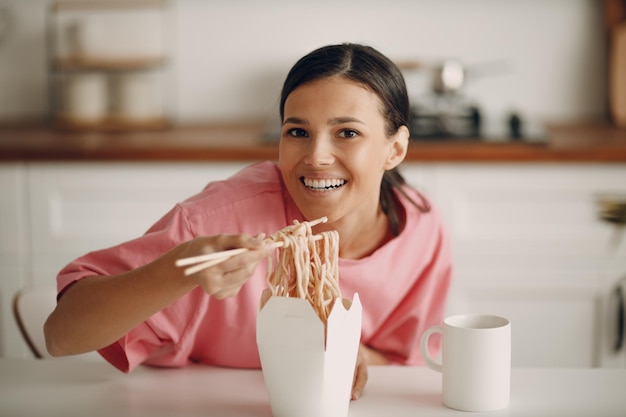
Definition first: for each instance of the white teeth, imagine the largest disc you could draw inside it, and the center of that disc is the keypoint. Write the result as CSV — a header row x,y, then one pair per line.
x,y
324,184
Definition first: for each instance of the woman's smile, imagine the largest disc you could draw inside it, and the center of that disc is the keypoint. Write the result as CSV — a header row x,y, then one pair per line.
x,y
323,184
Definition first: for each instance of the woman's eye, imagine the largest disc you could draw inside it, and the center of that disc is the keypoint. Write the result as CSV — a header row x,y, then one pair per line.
x,y
348,133
296,132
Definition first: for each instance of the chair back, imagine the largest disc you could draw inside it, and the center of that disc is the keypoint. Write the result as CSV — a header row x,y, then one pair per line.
x,y
31,308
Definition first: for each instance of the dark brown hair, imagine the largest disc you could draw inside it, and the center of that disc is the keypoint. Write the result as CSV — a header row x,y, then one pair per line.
x,y
368,67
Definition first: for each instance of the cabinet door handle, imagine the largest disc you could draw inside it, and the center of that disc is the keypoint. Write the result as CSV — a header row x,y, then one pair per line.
x,y
620,295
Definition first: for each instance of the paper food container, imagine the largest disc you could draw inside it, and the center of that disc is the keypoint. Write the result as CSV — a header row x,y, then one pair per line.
x,y
304,376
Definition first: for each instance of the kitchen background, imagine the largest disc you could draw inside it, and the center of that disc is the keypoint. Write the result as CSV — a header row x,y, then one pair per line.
x,y
543,58
524,218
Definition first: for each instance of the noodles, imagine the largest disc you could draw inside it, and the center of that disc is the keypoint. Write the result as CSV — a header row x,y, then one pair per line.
x,y
306,266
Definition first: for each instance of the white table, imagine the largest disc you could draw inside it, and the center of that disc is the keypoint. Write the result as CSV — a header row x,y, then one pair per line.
x,y
71,388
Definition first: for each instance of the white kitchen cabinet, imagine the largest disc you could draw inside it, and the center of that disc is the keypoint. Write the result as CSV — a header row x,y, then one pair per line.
x,y
76,208
527,240
611,331
14,245
51,213
528,244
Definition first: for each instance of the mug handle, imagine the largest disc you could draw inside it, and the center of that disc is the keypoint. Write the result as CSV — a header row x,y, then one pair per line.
x,y
424,348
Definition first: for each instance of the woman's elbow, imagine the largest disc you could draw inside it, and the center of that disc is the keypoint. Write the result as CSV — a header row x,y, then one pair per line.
x,y
53,339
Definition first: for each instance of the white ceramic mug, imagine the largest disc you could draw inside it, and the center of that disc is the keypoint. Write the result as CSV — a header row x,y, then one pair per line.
x,y
475,361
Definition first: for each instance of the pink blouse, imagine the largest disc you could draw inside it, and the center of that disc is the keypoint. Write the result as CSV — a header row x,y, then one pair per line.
x,y
402,285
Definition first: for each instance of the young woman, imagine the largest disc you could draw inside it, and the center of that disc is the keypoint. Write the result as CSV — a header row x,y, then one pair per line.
x,y
344,111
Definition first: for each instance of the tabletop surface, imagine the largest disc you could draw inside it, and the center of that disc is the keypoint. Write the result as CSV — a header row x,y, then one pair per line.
x,y
79,388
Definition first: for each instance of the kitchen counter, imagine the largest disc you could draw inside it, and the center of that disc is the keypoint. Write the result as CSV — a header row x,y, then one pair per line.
x,y
581,142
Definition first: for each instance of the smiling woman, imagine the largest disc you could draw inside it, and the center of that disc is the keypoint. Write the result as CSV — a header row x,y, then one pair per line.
x,y
344,112
341,141
368,96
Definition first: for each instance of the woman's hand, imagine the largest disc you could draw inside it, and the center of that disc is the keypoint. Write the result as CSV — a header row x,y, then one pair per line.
x,y
365,357
226,278
360,373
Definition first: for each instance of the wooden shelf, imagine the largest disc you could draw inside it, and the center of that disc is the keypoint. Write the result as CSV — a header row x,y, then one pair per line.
x,y
109,64
83,5
244,141
111,124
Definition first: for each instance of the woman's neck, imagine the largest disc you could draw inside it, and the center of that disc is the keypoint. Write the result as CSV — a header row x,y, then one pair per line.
x,y
361,238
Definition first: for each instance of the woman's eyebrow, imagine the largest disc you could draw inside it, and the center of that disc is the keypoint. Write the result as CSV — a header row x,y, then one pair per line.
x,y
332,122
341,120
295,120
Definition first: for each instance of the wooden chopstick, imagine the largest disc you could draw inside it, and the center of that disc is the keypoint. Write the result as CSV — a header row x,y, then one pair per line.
x,y
209,256
210,259
205,261
207,264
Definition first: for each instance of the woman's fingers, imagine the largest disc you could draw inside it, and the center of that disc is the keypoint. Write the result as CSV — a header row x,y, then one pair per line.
x,y
226,278
360,374
359,381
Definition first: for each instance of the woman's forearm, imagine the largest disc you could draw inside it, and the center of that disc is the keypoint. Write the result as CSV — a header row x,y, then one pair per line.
x,y
97,311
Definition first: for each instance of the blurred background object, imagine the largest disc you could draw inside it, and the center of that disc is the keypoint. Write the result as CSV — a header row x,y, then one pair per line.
x,y
615,15
108,64
5,22
444,110
230,57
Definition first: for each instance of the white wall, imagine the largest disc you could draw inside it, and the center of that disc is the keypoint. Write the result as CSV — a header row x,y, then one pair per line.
x,y
231,56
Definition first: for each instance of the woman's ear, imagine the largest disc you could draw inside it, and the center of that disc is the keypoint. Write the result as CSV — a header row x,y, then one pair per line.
x,y
398,148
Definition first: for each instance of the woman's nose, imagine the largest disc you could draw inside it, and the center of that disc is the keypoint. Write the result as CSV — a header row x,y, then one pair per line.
x,y
319,152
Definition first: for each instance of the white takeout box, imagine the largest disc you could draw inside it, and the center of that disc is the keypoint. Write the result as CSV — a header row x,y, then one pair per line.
x,y
304,378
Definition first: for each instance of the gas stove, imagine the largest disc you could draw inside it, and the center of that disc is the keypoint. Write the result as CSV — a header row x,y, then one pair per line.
x,y
445,117
446,113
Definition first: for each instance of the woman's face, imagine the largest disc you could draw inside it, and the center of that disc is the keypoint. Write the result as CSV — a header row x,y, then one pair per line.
x,y
333,149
